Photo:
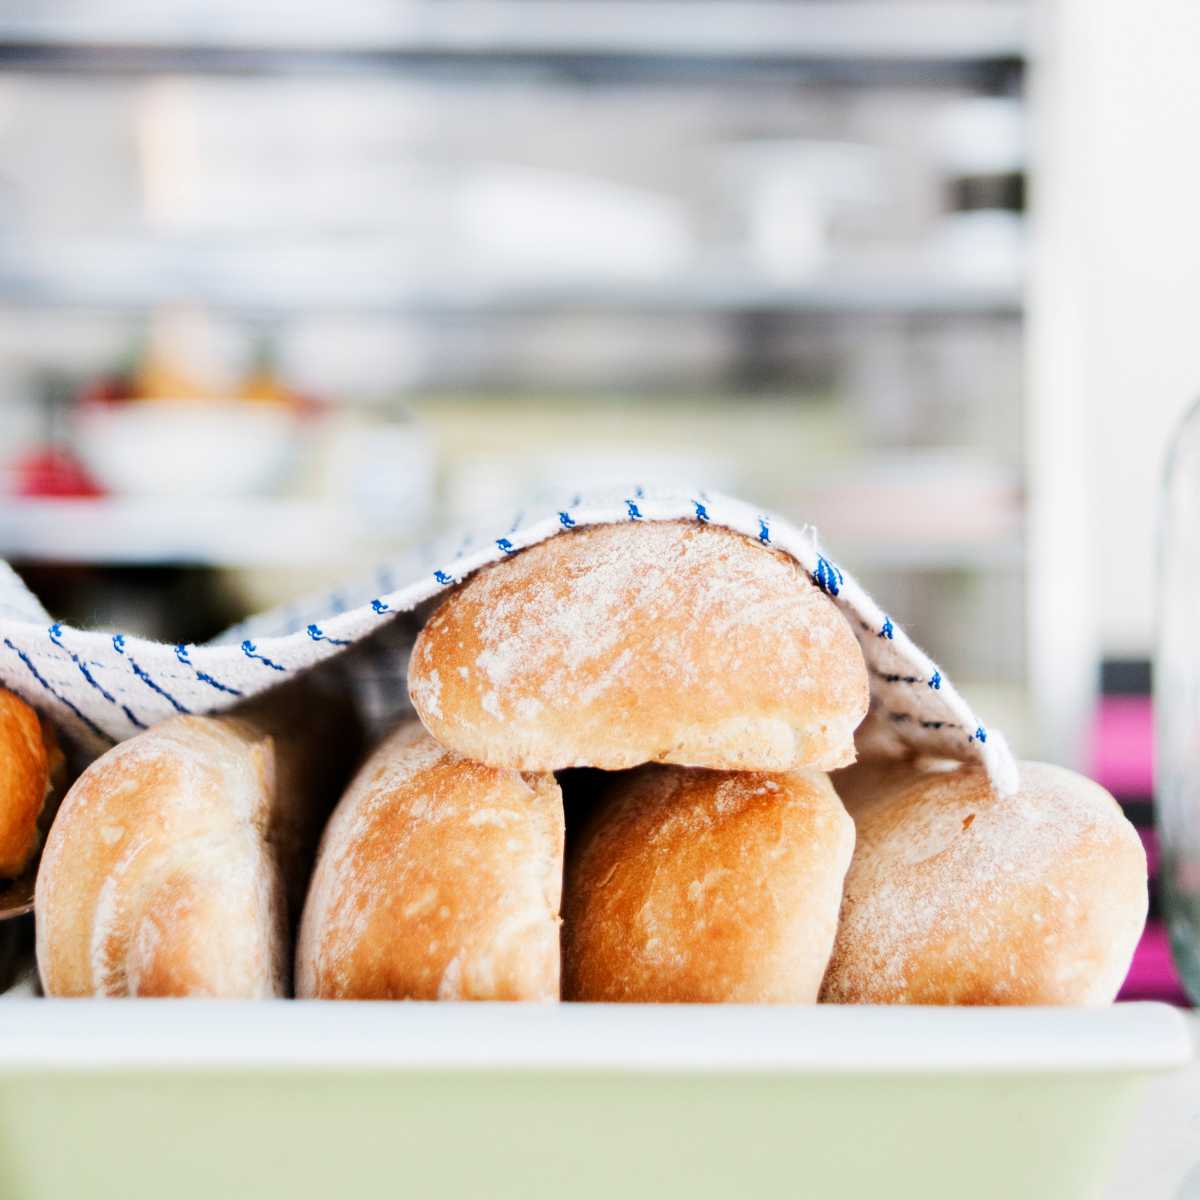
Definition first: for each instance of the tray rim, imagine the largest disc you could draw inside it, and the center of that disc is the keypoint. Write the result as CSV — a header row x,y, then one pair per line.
x,y
208,1035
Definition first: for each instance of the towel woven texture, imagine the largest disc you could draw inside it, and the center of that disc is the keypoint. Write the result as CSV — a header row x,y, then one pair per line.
x,y
107,686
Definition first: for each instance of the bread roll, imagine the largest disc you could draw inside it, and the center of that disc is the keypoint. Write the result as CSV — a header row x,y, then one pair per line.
x,y
706,886
437,879
167,870
25,765
871,777
956,896
642,642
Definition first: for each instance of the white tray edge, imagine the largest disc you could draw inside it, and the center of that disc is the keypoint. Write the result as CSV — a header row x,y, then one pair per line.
x,y
39,1034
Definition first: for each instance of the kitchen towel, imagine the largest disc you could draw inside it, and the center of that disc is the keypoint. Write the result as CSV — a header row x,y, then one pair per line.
x,y
107,686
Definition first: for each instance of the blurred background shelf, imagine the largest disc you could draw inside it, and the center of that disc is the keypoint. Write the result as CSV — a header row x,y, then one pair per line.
x,y
431,259
228,533
356,280
661,34
313,533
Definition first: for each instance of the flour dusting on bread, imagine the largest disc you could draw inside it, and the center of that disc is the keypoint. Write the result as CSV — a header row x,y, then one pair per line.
x,y
621,644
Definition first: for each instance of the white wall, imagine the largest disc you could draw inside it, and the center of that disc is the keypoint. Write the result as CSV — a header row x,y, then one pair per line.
x,y
1130,182
1114,328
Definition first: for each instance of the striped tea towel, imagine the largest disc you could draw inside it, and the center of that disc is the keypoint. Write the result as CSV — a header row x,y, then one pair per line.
x,y
107,686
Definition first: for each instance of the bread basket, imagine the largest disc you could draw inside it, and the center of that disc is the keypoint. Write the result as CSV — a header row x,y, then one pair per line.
x,y
303,1099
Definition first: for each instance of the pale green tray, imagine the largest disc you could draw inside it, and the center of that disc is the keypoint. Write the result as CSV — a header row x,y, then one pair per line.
x,y
189,1099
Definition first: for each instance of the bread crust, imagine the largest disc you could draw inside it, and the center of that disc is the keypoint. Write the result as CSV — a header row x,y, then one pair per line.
x,y
437,879
958,896
643,642
704,886
167,869
162,828
24,783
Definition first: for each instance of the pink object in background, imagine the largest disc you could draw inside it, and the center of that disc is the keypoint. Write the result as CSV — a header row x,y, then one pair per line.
x,y
1122,746
1150,845
1152,975
1121,758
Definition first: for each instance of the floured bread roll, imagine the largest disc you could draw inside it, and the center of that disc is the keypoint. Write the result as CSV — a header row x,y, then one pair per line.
x,y
169,867
437,878
706,886
642,642
157,879
958,896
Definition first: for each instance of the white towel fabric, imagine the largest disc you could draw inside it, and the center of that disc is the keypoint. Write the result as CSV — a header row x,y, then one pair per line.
x,y
105,686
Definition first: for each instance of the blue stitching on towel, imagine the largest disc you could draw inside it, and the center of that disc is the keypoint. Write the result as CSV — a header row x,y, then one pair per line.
x,y
61,699
154,687
505,545
888,629
566,520
634,512
55,632
764,533
181,653
250,651
980,735
380,607
315,632
935,681
443,578
827,577
701,512
119,646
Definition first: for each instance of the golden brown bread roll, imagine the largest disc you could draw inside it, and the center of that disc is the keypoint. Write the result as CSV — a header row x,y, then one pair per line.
x,y
957,896
642,642
706,886
168,869
437,878
25,769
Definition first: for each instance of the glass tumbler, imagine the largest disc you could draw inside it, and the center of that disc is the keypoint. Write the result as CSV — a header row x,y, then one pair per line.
x,y
1177,699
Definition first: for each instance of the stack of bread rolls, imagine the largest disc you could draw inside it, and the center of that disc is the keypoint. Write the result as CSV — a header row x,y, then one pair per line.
x,y
712,688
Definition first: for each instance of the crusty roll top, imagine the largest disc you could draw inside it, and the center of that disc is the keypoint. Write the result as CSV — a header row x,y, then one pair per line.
x,y
654,642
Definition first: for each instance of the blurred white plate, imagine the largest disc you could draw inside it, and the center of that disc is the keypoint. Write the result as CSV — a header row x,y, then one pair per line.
x,y
192,448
